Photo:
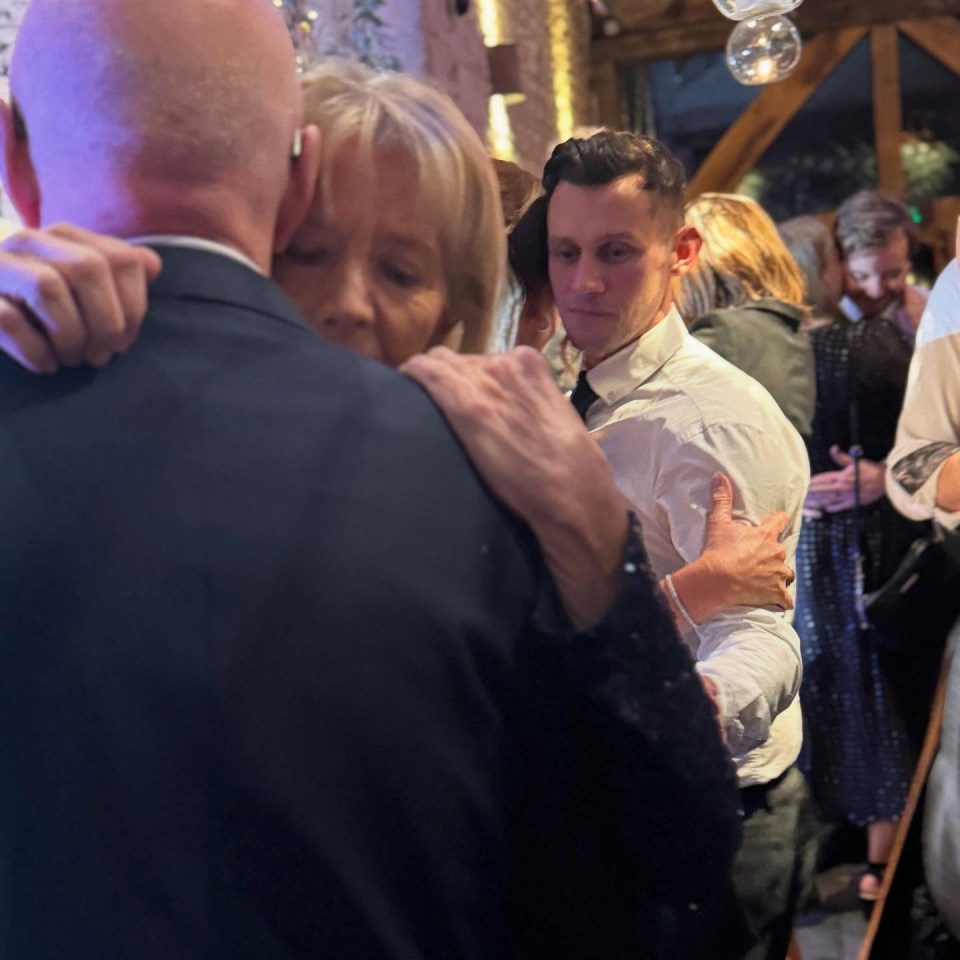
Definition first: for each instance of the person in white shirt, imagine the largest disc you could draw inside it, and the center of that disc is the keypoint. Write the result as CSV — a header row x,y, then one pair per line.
x,y
923,482
669,414
923,473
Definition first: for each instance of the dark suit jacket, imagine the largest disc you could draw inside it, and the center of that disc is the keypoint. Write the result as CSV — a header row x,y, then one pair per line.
x,y
763,339
267,648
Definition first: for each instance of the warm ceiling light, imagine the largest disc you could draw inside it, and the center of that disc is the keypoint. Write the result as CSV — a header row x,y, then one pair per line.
x,y
742,9
763,50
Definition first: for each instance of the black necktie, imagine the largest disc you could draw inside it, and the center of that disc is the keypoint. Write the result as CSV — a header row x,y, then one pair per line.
x,y
583,395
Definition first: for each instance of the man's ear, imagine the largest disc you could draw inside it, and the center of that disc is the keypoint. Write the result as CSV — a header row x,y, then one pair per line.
x,y
19,176
686,248
301,187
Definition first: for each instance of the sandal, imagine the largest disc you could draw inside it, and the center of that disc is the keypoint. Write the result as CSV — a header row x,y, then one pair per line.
x,y
869,885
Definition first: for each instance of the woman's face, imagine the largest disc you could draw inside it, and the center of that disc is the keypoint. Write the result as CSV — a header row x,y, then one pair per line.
x,y
368,274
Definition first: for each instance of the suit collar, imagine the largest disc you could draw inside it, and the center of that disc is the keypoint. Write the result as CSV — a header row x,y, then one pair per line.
x,y
192,274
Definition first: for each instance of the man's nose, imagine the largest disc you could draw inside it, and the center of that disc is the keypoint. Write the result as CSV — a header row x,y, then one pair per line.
x,y
587,278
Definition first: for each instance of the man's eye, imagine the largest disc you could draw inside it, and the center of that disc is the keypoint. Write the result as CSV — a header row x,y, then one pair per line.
x,y
564,255
614,254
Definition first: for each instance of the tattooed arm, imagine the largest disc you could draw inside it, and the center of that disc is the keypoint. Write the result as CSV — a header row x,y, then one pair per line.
x,y
923,478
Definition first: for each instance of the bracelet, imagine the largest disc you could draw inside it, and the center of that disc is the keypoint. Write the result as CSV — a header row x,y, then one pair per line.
x,y
677,602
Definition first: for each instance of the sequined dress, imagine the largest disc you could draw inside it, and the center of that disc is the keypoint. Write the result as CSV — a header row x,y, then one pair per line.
x,y
862,719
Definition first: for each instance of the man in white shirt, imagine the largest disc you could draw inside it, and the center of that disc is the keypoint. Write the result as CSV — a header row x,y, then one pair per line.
x,y
669,414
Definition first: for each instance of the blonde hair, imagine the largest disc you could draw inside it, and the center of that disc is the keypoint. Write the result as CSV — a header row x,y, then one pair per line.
x,y
812,245
742,259
363,111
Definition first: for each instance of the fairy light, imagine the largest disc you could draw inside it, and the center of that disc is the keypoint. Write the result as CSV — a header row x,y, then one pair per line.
x,y
500,136
561,31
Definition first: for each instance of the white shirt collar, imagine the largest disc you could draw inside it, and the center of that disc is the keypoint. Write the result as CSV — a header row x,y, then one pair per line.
x,y
613,378
195,243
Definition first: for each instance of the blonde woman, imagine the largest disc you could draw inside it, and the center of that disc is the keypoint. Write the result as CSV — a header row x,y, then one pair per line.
x,y
745,299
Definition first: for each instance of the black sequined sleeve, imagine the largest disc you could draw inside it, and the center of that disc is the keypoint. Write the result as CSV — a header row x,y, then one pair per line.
x,y
629,814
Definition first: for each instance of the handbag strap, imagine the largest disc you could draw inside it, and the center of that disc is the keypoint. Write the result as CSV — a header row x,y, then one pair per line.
x,y
855,452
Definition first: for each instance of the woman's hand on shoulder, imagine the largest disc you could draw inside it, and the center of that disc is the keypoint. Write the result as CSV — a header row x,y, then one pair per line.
x,y
69,297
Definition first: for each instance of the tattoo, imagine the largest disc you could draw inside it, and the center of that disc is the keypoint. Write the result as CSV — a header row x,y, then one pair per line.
x,y
913,471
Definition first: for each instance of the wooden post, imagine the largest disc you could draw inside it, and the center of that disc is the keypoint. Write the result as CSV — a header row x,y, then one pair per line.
x,y
606,95
887,109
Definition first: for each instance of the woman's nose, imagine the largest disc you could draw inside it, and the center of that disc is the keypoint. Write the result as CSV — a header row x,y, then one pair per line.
x,y
350,301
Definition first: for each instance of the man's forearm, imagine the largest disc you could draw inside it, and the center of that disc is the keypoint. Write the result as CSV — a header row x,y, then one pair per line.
x,y
699,589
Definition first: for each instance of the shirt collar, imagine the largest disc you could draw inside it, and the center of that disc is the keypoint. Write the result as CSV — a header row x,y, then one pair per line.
x,y
854,313
613,378
195,243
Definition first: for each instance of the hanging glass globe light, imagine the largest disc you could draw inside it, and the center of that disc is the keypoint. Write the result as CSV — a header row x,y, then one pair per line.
x,y
763,50
741,9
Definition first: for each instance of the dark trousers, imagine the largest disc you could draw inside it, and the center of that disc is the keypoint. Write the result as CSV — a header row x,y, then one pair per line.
x,y
774,868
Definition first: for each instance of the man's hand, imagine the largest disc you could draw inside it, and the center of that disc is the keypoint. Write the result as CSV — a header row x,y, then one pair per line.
x,y
70,297
532,449
741,564
833,490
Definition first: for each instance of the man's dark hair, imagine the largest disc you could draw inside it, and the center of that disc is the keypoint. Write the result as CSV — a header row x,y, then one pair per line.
x,y
611,154
869,220
527,248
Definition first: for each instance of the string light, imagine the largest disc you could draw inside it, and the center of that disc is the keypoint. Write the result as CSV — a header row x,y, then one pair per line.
x,y
301,19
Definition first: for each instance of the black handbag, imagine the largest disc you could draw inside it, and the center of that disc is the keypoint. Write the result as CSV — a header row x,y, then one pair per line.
x,y
922,594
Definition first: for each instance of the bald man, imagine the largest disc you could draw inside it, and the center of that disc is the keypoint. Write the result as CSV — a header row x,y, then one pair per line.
x,y
273,681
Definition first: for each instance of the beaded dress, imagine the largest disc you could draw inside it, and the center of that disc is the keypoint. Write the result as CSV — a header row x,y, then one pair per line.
x,y
865,704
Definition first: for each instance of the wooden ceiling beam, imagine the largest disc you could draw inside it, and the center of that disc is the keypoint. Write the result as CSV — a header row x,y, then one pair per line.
x,y
681,28
737,152
939,36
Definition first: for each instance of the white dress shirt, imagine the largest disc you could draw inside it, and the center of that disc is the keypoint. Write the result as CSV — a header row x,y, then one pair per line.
x,y
928,431
671,413
194,243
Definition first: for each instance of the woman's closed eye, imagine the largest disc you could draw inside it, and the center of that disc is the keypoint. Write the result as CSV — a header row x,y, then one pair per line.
x,y
404,276
307,255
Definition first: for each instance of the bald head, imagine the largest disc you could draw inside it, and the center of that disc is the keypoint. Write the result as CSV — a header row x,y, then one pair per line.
x,y
155,99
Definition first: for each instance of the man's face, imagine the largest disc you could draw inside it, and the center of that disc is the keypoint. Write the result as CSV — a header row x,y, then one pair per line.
x,y
873,279
612,257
